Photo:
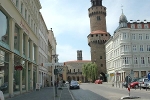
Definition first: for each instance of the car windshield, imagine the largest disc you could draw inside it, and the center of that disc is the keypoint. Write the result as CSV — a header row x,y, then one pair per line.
x,y
74,82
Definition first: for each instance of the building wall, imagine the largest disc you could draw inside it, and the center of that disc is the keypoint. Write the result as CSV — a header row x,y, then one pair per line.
x,y
128,53
74,70
43,52
19,45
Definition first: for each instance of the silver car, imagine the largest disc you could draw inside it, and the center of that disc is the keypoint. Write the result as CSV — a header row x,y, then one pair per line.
x,y
143,82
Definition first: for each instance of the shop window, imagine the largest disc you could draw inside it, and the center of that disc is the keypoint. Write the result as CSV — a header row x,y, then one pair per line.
x,y
4,71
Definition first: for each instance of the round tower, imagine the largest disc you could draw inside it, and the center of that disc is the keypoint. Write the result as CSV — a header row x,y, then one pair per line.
x,y
97,15
98,36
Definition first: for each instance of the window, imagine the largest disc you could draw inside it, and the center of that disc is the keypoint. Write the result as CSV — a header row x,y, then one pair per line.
x,y
98,18
148,60
142,60
135,60
70,70
23,44
147,36
132,26
4,34
124,35
134,48
100,57
22,8
16,38
141,47
101,65
17,2
139,26
31,23
148,47
29,20
146,26
126,60
140,36
74,70
25,14
78,70
133,36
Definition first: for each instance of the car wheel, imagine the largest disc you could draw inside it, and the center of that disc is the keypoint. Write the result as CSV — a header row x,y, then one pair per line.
x,y
136,86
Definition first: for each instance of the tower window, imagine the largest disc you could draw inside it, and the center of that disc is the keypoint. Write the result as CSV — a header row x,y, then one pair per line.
x,y
98,18
91,35
101,65
100,57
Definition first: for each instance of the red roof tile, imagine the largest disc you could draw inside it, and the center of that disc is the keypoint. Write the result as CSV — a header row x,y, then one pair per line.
x,y
98,32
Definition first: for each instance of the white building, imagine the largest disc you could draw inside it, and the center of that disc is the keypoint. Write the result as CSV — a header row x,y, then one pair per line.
x,y
128,50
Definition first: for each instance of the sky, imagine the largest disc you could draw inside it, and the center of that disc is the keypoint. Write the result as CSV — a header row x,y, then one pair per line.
x,y
71,25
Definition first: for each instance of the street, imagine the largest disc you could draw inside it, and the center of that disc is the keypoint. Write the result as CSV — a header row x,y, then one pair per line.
x,y
87,91
91,91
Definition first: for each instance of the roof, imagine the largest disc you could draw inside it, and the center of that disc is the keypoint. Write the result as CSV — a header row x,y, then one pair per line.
x,y
98,32
78,61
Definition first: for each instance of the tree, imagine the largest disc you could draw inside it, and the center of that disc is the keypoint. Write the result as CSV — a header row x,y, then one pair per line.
x,y
90,71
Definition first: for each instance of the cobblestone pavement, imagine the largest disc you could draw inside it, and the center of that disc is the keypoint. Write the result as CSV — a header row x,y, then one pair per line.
x,y
46,93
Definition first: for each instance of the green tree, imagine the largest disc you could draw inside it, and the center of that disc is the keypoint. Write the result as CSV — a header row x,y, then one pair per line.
x,y
90,72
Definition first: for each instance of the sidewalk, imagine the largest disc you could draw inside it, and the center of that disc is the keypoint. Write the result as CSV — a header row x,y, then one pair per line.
x,y
64,94
47,93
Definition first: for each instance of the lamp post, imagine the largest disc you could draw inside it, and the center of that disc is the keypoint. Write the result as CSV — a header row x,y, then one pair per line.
x,y
55,72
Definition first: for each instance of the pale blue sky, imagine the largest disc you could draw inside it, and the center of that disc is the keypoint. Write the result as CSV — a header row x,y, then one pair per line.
x,y
71,25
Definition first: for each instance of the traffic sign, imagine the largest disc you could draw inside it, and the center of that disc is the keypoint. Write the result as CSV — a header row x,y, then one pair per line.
x,y
148,76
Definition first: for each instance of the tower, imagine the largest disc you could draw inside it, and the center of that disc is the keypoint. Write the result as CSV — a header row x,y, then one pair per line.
x,y
79,55
98,36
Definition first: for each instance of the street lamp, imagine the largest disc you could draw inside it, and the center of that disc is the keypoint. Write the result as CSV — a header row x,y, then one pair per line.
x,y
55,56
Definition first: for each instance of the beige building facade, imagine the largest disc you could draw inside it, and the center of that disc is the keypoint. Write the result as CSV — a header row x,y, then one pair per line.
x,y
72,70
19,45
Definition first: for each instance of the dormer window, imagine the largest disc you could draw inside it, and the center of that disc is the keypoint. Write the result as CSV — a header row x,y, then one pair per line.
x,y
146,26
139,26
133,26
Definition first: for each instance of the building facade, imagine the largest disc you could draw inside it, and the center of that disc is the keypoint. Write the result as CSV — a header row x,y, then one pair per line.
x,y
43,52
52,43
19,45
98,36
73,69
127,52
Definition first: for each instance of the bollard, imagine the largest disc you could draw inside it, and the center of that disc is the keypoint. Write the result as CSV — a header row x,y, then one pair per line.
x,y
140,86
146,86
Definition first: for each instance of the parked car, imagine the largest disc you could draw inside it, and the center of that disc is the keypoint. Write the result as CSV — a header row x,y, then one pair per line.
x,y
74,85
143,82
148,84
135,83
98,81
